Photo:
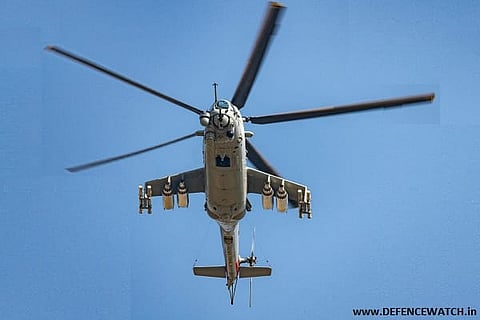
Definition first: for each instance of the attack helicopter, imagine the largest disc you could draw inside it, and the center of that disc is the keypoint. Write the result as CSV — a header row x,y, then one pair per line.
x,y
225,178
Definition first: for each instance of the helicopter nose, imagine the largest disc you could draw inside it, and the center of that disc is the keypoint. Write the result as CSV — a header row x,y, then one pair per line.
x,y
221,121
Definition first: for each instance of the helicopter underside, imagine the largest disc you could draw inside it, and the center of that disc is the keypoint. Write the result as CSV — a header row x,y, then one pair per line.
x,y
225,178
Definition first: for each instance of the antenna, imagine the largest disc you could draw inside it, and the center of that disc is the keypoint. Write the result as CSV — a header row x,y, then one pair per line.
x,y
215,85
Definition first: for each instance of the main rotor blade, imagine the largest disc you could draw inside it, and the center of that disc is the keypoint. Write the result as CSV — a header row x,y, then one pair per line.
x,y
117,76
258,160
328,111
257,55
127,155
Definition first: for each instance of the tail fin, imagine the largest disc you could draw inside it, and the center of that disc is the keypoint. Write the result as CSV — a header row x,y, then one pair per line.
x,y
253,272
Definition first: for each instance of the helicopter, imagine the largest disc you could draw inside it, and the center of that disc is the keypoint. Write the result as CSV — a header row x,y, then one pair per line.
x,y
225,178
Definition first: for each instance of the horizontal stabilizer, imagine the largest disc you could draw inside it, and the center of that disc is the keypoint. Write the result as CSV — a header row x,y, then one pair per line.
x,y
244,272
253,272
214,272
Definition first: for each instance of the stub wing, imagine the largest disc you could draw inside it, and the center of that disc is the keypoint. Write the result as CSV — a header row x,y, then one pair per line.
x,y
179,185
194,181
287,193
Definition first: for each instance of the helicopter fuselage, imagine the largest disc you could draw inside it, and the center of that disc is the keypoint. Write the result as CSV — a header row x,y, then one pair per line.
x,y
226,178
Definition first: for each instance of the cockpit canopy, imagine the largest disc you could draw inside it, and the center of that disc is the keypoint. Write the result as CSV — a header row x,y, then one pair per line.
x,y
221,104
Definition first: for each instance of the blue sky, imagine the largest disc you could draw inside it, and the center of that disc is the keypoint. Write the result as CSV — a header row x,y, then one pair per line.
x,y
396,197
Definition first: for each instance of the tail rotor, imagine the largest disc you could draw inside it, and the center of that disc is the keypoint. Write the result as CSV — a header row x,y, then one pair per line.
x,y
252,260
